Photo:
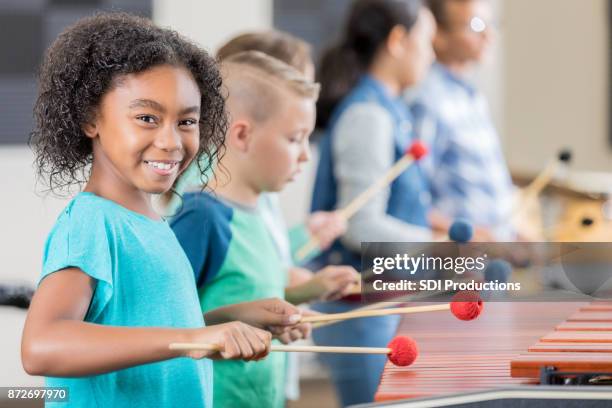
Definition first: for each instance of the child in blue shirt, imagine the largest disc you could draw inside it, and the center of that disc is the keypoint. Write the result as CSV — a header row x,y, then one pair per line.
x,y
126,106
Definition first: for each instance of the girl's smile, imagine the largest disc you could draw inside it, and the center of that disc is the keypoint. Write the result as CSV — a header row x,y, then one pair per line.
x,y
163,167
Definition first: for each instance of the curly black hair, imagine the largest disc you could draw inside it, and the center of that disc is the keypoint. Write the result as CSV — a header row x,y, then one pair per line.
x,y
85,62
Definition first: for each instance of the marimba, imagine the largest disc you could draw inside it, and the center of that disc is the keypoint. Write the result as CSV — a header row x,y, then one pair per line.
x,y
458,357
575,352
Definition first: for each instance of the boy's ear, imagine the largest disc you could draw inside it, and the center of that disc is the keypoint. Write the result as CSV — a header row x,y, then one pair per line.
x,y
239,135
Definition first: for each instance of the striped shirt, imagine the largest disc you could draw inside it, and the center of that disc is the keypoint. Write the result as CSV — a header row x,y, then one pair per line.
x,y
466,169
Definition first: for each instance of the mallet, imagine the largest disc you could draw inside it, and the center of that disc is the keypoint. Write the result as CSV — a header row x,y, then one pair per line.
x,y
461,231
545,177
399,301
402,350
498,270
394,303
464,306
531,191
413,154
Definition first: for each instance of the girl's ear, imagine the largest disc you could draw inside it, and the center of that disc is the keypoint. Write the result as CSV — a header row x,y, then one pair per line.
x,y
395,41
90,128
239,135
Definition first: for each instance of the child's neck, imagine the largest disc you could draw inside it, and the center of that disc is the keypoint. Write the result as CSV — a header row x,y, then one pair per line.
x,y
459,68
110,186
230,185
385,72
232,192
387,80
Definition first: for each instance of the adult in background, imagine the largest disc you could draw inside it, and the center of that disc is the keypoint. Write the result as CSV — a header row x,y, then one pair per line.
x,y
466,170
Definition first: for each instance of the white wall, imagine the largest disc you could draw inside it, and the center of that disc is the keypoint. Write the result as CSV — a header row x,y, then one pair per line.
x,y
27,219
556,87
210,23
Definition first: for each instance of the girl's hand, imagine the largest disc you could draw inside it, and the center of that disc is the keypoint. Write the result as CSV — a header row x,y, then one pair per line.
x,y
236,340
299,331
326,227
274,315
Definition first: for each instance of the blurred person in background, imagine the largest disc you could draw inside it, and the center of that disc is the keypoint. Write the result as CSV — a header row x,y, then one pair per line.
x,y
466,170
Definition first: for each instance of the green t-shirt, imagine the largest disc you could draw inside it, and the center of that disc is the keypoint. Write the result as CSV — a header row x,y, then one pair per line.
x,y
143,279
287,241
234,260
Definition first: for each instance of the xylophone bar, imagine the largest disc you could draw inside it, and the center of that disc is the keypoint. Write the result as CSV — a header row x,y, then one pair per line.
x,y
584,326
543,347
578,337
591,317
596,308
582,344
529,365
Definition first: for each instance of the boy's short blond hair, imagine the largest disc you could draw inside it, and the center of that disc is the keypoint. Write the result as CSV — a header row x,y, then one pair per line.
x,y
256,80
278,44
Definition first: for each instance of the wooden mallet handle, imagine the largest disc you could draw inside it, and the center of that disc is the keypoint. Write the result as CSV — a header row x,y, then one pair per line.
x,y
289,348
372,313
545,177
414,153
375,306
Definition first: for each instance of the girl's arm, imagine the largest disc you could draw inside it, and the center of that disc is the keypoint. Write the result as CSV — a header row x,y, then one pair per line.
x,y
57,342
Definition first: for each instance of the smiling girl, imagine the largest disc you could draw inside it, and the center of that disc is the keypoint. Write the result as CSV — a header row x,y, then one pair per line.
x,y
130,105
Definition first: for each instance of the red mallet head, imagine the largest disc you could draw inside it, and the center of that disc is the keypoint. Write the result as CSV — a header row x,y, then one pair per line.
x,y
466,305
417,150
403,351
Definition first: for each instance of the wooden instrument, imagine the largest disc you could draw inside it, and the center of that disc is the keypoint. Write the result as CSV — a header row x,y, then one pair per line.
x,y
459,357
581,344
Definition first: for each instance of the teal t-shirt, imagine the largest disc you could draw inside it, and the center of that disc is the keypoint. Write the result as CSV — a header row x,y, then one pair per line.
x,y
143,278
235,260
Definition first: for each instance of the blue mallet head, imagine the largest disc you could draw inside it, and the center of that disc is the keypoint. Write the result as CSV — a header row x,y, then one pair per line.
x,y
565,156
498,270
461,231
